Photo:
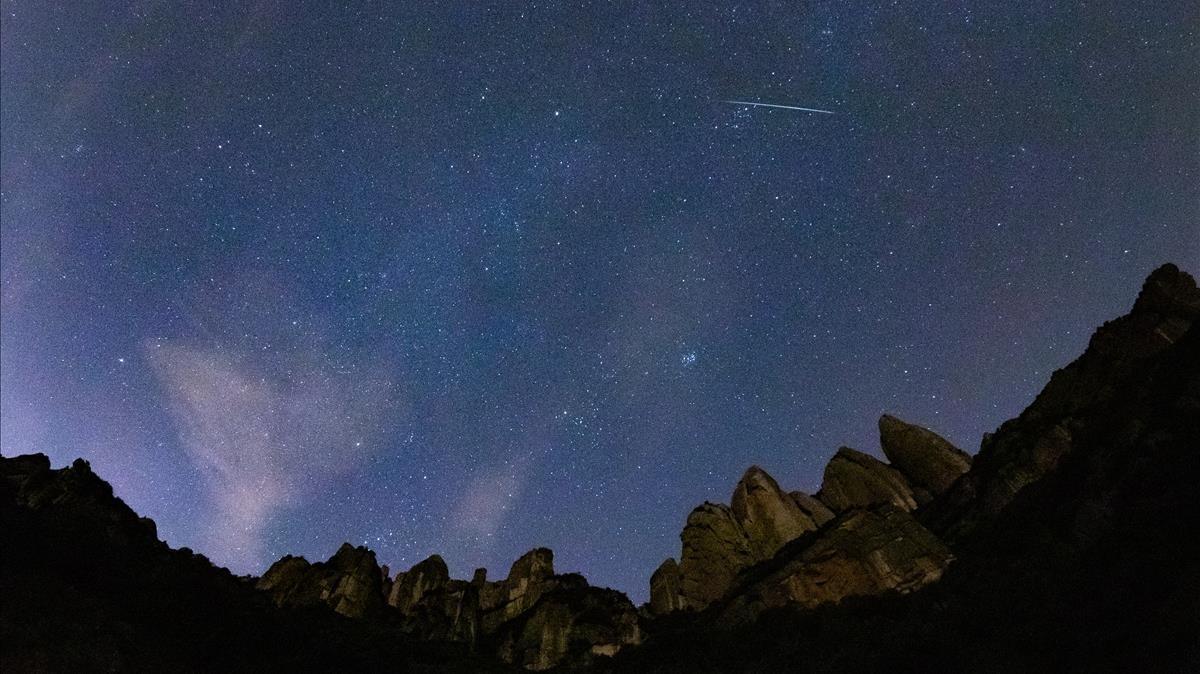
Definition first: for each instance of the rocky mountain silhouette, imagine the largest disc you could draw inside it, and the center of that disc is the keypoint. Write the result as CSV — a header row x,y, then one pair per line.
x,y
1067,543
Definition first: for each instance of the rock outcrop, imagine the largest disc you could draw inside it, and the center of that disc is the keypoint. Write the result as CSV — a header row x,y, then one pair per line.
x,y
409,587
34,485
574,623
665,595
768,516
715,549
534,617
927,459
531,576
88,587
350,582
1025,449
856,480
862,552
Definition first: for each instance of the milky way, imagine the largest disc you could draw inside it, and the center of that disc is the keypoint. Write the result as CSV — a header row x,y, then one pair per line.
x,y
469,280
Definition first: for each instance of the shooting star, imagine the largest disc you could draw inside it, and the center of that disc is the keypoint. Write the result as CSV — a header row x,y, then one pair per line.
x,y
785,107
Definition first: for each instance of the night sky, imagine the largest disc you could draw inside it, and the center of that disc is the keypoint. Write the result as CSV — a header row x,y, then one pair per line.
x,y
441,278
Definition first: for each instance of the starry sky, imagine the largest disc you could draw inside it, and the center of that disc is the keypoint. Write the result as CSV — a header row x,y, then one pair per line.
x,y
470,279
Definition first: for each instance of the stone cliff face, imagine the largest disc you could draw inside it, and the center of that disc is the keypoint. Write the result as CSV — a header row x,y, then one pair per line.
x,y
533,618
425,577
862,552
665,595
714,550
350,582
760,554
768,516
1064,546
574,623
1025,449
721,542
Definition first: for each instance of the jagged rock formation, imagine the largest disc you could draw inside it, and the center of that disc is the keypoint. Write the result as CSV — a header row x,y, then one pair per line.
x,y
856,480
719,541
531,576
1025,449
927,459
862,552
34,485
534,617
868,549
768,516
350,582
409,587
1068,530
574,623
714,550
88,587
665,594
1071,533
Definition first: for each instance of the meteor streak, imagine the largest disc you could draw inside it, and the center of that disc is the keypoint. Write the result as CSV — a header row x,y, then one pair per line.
x,y
785,107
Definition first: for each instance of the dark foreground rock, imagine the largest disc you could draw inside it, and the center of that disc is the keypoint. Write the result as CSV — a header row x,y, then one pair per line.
x,y
87,587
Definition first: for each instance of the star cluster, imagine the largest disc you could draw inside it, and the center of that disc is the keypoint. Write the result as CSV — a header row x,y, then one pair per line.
x,y
469,279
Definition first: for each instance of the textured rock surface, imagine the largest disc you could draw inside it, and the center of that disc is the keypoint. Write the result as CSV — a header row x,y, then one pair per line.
x,y
573,623
856,480
811,506
767,515
925,458
409,587
862,552
664,588
714,550
528,578
350,582
1025,449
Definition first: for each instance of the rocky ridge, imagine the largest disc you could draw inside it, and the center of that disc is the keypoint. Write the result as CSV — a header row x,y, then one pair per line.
x,y
534,617
897,523
1104,448
720,543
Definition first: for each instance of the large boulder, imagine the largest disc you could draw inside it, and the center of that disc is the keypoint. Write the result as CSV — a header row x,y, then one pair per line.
x,y
714,550
856,480
768,515
927,459
862,552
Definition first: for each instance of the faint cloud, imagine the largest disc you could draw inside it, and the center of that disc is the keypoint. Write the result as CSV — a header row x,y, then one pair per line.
x,y
490,495
267,429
